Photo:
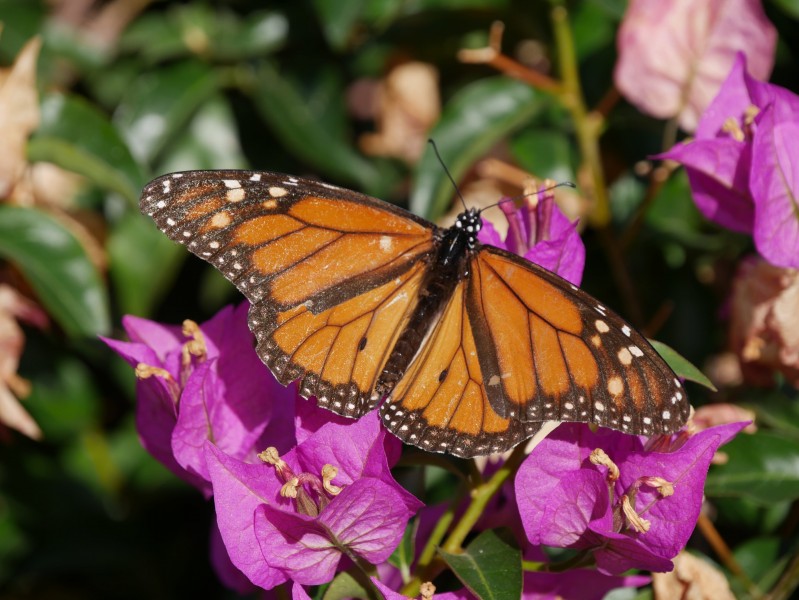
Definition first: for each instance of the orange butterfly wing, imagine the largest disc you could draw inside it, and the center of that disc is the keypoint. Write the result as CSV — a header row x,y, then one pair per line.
x,y
561,355
441,403
289,245
517,346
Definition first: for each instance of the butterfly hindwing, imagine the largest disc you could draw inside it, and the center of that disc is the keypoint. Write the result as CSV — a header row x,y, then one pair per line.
x,y
441,404
337,355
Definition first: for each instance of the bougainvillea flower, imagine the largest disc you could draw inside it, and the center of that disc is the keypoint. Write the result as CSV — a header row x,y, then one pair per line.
x,y
540,232
296,517
607,493
764,322
741,165
774,182
577,583
674,54
203,382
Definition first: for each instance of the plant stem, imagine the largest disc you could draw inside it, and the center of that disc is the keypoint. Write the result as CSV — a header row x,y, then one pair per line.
x,y
788,582
588,125
480,497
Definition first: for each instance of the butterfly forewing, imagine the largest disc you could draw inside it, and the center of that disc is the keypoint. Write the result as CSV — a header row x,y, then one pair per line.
x,y
561,355
290,241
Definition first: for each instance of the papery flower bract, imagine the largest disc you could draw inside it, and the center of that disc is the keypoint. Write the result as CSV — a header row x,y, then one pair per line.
x,y
567,501
577,583
540,232
764,321
225,394
742,166
227,573
674,54
272,538
774,182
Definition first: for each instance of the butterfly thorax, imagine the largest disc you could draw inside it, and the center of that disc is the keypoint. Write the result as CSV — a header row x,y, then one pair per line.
x,y
458,239
451,260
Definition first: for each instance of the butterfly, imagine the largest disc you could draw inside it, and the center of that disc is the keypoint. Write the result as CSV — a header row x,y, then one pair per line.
x,y
467,349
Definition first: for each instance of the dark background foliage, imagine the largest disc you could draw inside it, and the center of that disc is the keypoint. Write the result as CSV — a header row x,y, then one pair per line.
x,y
85,512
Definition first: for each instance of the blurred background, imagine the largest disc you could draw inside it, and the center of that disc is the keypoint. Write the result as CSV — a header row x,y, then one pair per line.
x,y
96,98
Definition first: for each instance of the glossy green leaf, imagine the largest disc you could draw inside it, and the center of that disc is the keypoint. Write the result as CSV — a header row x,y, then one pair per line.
x,y
160,105
491,567
55,264
681,366
77,137
143,262
338,19
476,118
299,120
763,466
208,141
199,29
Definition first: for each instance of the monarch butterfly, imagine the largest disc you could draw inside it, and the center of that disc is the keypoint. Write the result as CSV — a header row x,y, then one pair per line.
x,y
469,347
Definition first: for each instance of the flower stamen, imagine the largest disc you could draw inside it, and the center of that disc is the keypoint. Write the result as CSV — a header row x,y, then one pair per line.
x,y
145,371
329,473
732,127
196,345
664,488
636,521
599,457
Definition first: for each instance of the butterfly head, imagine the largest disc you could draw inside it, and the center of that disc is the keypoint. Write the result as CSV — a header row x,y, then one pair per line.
x,y
469,224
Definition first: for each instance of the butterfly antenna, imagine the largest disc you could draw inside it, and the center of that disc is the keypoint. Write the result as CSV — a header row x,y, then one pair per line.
x,y
443,166
515,198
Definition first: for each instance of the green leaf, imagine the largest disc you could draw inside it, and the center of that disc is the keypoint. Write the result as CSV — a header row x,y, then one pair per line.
x,y
592,28
198,29
344,586
763,466
791,7
143,263
758,555
544,153
776,410
681,366
475,119
160,104
55,264
209,141
301,123
491,567
76,136
338,19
